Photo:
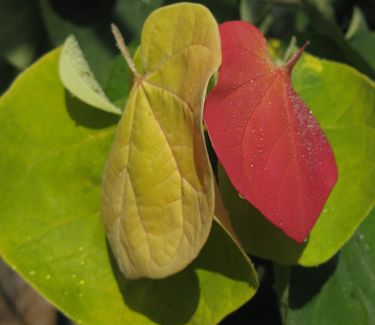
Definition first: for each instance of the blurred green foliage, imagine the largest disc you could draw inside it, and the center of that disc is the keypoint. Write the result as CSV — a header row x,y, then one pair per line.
x,y
29,28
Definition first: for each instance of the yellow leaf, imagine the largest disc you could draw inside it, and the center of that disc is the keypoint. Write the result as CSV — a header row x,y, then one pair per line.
x,y
158,192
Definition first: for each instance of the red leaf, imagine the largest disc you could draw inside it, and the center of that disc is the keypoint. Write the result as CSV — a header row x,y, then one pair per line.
x,y
269,143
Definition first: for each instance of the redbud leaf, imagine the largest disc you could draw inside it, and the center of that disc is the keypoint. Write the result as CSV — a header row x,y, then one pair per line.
x,y
345,109
266,138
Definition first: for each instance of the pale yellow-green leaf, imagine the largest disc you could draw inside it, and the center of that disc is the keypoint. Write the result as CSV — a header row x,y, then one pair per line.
x,y
77,77
158,191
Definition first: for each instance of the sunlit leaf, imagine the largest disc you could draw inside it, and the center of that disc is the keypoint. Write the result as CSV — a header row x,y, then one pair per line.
x,y
53,152
77,77
158,193
345,109
269,143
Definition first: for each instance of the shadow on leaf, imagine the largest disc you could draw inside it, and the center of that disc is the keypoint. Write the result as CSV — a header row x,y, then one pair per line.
x,y
88,116
258,236
305,283
290,250
175,299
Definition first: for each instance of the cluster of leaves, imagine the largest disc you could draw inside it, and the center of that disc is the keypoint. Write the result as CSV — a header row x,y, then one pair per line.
x,y
55,147
40,25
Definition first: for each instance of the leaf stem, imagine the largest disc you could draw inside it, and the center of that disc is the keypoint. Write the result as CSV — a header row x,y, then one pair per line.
x,y
124,50
294,59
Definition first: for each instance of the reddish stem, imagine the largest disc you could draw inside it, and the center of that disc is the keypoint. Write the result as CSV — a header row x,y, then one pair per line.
x,y
293,60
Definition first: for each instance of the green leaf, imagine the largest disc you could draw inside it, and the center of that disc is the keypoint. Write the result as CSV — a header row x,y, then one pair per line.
x,y
120,79
77,77
157,222
343,102
53,151
257,235
364,43
119,82
340,291
357,24
90,26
